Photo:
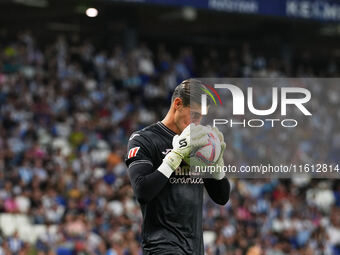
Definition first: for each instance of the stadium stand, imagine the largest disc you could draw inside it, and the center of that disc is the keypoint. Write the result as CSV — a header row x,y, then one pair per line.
x,y
67,110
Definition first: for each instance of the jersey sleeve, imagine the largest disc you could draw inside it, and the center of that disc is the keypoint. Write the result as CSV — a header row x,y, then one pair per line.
x,y
139,150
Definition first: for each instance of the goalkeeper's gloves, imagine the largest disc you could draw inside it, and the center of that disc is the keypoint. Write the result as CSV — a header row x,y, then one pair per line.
x,y
182,145
219,174
216,171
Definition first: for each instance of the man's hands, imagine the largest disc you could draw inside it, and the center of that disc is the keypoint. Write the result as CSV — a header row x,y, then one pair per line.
x,y
220,161
218,166
191,138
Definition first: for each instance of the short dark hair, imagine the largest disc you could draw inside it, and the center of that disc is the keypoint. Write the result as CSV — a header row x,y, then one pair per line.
x,y
189,90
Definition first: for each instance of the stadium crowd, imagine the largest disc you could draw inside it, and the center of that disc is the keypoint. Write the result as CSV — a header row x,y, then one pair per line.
x,y
67,109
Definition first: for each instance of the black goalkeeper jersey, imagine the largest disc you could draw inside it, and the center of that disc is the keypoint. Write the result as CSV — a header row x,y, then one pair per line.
x,y
172,220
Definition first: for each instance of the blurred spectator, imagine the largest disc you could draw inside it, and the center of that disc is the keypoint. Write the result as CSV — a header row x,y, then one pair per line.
x,y
67,111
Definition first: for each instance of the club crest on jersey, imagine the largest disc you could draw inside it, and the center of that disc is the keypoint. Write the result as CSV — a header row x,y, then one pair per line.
x,y
133,152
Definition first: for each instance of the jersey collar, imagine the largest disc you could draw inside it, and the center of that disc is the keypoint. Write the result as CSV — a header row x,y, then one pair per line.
x,y
166,129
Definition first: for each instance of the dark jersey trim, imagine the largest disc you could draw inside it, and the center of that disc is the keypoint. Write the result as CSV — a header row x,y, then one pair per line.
x,y
141,161
166,129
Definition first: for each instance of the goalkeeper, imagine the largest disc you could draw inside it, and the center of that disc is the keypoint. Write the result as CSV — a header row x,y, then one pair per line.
x,y
172,213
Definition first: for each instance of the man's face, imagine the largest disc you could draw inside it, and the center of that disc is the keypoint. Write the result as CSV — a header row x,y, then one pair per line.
x,y
184,115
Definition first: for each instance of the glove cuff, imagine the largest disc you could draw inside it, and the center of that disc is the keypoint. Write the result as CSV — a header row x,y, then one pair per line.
x,y
165,169
173,160
218,175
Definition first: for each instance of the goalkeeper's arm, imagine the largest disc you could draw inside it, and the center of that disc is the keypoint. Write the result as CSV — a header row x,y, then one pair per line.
x,y
218,190
218,187
147,183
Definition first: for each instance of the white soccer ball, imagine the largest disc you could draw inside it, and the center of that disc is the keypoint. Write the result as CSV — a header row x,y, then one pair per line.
x,y
209,153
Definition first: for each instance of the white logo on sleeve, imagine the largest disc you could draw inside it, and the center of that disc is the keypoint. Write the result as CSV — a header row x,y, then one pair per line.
x,y
133,136
133,152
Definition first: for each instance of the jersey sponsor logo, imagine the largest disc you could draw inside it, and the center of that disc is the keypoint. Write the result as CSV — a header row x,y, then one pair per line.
x,y
133,136
183,143
133,152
